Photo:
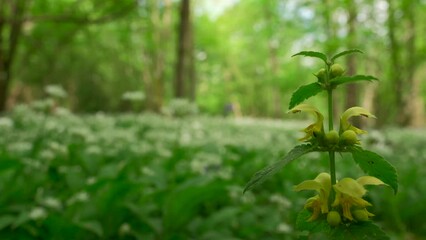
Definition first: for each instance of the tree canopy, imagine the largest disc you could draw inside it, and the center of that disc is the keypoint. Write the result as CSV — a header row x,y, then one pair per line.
x,y
238,52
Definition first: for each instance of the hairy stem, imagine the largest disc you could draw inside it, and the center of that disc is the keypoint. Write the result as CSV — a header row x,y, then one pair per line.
x,y
331,153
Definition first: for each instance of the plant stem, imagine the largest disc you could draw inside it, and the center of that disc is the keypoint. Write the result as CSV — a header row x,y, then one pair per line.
x,y
332,167
330,127
330,109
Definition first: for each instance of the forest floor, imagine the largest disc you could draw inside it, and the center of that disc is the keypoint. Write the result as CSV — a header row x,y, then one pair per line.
x,y
130,176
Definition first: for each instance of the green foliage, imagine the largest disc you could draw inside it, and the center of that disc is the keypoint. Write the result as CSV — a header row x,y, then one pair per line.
x,y
313,54
351,79
267,172
351,51
96,62
375,165
123,173
180,108
304,92
183,204
133,176
312,227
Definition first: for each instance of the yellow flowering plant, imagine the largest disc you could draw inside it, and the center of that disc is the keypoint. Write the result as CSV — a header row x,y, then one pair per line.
x,y
338,209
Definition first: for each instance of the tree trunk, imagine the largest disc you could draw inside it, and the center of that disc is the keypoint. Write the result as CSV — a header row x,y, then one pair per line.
x,y
411,99
273,61
351,89
155,54
192,88
10,32
184,86
396,66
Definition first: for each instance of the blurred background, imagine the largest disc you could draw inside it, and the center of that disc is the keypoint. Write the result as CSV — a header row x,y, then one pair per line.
x,y
213,53
144,119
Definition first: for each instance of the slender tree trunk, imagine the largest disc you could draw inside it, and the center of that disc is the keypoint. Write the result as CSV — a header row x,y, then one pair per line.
x,y
192,88
155,54
403,69
273,44
11,14
396,65
184,86
163,35
413,110
351,89
4,76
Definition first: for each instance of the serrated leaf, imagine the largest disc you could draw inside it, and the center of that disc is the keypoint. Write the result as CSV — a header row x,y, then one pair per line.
x,y
358,231
262,175
376,166
319,55
350,79
304,92
346,53
354,231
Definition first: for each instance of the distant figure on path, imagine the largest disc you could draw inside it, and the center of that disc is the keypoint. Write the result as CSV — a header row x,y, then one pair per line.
x,y
232,109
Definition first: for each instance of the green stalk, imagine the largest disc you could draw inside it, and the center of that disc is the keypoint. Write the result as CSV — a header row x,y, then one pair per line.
x,y
330,109
330,127
331,153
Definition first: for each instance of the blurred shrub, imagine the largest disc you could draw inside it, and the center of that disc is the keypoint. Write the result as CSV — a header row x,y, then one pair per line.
x,y
180,107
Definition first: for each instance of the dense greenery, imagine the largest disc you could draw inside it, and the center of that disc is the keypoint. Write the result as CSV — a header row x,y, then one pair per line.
x,y
148,177
99,50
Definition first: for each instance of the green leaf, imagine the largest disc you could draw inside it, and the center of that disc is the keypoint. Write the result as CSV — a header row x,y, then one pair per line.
x,y
319,225
91,226
319,229
346,53
319,55
9,164
359,231
304,92
375,165
6,220
184,203
262,175
22,218
350,79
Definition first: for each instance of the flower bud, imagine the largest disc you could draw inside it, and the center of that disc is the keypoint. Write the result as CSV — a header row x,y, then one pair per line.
x,y
333,218
336,70
321,74
360,215
348,137
332,137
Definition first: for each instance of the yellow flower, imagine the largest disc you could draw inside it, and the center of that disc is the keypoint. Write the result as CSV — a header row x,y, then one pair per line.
x,y
314,204
316,127
353,112
319,203
349,193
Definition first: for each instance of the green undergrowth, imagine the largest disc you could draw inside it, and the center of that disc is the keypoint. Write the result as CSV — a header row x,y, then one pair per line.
x,y
99,176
